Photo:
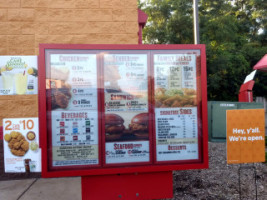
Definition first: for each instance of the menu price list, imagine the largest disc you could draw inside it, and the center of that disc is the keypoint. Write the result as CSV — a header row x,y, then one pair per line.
x,y
175,71
125,82
75,138
75,155
84,98
126,102
77,69
176,133
126,106
73,81
127,152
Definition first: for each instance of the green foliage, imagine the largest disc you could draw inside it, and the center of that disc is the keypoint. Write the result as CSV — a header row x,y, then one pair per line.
x,y
230,30
169,22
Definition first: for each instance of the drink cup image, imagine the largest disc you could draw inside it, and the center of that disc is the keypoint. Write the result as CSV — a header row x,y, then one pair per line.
x,y
21,80
27,165
32,166
8,81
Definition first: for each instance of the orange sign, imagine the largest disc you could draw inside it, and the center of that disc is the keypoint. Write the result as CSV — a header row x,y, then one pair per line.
x,y
245,136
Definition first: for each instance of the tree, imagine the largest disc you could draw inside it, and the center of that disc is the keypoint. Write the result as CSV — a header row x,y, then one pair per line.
x,y
252,16
169,22
226,65
230,30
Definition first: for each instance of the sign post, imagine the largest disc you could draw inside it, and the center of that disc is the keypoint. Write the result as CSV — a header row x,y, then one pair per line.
x,y
123,115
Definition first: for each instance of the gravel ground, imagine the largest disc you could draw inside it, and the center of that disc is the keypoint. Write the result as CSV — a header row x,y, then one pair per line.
x,y
220,181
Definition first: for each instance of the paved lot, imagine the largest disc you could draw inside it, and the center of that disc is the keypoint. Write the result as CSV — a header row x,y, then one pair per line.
x,y
41,189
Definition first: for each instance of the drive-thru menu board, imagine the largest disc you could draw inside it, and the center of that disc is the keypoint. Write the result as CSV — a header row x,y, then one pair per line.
x,y
128,109
176,106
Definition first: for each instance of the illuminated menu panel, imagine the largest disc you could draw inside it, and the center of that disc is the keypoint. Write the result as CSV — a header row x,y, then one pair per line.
x,y
72,87
126,108
175,107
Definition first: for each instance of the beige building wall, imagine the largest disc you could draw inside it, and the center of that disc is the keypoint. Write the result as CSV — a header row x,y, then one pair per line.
x,y
24,24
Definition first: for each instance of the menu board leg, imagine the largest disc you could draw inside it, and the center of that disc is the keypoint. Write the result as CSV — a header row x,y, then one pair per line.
x,y
156,185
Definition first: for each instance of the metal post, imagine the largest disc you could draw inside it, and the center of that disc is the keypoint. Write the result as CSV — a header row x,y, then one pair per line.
x,y
196,25
239,178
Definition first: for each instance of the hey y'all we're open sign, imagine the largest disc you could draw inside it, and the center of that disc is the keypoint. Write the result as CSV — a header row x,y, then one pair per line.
x,y
245,136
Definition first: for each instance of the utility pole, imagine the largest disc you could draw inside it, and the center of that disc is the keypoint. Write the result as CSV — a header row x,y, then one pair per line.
x,y
196,25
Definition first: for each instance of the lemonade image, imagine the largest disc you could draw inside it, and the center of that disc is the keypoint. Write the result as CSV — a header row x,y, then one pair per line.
x,y
8,80
21,80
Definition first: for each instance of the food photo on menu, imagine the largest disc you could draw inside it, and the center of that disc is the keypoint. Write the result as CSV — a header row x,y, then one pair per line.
x,y
17,143
61,95
185,97
18,75
21,148
111,79
60,88
126,126
127,137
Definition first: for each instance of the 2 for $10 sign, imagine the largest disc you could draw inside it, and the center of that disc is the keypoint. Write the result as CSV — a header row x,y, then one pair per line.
x,y
245,136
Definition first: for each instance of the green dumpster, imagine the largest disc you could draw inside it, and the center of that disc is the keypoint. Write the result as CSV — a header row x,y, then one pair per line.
x,y
217,117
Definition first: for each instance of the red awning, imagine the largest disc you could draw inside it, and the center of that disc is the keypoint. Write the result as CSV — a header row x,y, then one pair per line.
x,y
262,64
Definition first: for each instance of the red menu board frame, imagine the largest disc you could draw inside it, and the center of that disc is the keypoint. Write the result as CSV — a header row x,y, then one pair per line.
x,y
134,167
